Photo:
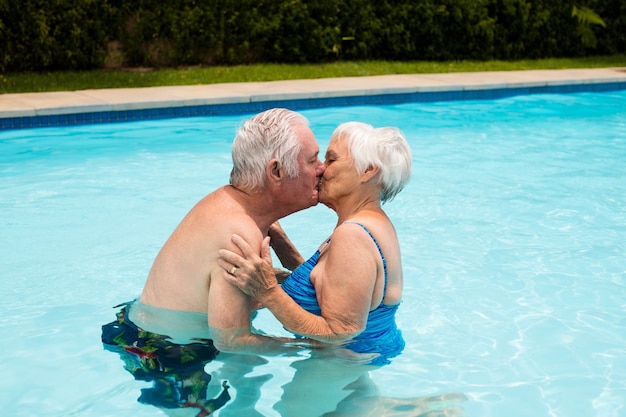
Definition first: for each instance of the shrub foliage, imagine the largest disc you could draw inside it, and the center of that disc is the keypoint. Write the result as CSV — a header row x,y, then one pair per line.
x,y
38,35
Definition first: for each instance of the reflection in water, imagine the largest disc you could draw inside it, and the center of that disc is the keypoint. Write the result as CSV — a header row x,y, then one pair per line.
x,y
324,387
326,382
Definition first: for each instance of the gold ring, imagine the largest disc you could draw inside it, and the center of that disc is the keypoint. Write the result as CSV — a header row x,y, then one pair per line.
x,y
232,270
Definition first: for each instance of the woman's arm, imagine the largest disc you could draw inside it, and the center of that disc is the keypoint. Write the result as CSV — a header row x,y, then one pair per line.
x,y
344,289
229,313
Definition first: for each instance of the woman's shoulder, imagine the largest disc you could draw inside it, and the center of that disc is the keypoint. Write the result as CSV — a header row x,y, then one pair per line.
x,y
357,232
376,229
376,224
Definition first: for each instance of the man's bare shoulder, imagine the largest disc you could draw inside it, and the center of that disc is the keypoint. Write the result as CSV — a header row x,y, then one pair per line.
x,y
228,215
220,198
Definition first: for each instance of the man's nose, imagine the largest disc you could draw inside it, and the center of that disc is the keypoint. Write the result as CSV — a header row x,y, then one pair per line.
x,y
321,167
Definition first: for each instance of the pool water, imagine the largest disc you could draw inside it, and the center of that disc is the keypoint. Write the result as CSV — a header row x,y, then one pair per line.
x,y
513,232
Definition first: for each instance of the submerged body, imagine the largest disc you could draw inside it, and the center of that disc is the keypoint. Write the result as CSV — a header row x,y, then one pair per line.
x,y
173,365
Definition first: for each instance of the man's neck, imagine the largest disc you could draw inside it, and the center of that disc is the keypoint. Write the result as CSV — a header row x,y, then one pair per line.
x,y
259,205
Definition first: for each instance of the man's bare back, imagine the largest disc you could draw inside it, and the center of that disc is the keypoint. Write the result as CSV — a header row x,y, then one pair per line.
x,y
182,272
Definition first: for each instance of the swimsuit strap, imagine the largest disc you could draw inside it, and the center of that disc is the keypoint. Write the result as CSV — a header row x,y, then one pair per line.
x,y
379,251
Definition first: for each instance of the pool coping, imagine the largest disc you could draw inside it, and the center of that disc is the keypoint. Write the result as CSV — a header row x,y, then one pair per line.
x,y
31,110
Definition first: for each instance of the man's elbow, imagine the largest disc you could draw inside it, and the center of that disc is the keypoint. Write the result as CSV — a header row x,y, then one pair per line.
x,y
226,340
225,346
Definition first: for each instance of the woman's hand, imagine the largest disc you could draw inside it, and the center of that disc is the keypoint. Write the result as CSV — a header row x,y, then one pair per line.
x,y
251,273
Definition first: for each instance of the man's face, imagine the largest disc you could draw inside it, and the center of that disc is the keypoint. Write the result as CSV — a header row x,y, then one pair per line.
x,y
303,190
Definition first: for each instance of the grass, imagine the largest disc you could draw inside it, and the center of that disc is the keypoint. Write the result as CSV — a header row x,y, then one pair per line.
x,y
146,77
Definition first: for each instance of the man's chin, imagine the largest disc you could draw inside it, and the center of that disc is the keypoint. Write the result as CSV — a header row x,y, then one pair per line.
x,y
315,198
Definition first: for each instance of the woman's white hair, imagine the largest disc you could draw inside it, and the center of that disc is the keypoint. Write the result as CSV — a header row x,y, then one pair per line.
x,y
385,148
266,136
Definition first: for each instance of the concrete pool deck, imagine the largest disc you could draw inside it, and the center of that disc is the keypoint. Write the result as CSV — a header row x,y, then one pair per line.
x,y
16,110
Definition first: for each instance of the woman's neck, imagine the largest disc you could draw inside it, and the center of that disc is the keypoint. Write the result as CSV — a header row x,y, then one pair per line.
x,y
350,211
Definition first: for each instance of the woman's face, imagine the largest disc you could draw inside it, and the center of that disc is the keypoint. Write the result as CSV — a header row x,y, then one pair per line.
x,y
340,176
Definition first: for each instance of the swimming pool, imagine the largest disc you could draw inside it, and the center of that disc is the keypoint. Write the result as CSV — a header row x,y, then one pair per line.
x,y
513,231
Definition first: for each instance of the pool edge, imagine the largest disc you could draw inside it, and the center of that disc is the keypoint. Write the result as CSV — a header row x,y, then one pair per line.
x,y
106,106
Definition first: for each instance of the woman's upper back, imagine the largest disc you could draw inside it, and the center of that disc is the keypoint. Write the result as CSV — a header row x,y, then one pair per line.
x,y
370,235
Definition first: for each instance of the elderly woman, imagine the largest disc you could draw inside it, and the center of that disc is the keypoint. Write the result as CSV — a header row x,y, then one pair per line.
x,y
348,292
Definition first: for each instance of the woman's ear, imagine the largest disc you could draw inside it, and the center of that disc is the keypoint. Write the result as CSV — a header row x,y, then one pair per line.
x,y
369,173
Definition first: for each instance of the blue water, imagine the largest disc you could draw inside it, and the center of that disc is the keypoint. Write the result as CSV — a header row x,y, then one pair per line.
x,y
513,231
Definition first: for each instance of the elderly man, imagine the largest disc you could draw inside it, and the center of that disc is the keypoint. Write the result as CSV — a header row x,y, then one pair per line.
x,y
276,172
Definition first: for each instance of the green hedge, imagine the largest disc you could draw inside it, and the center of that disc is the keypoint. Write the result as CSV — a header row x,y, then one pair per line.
x,y
40,35
53,34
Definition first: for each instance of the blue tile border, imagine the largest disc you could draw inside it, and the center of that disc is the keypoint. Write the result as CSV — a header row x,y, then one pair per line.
x,y
117,116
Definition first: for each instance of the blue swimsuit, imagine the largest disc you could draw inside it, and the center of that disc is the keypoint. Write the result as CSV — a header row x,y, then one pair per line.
x,y
380,335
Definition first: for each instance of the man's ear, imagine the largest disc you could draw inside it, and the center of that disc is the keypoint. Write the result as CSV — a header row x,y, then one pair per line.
x,y
274,173
369,173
